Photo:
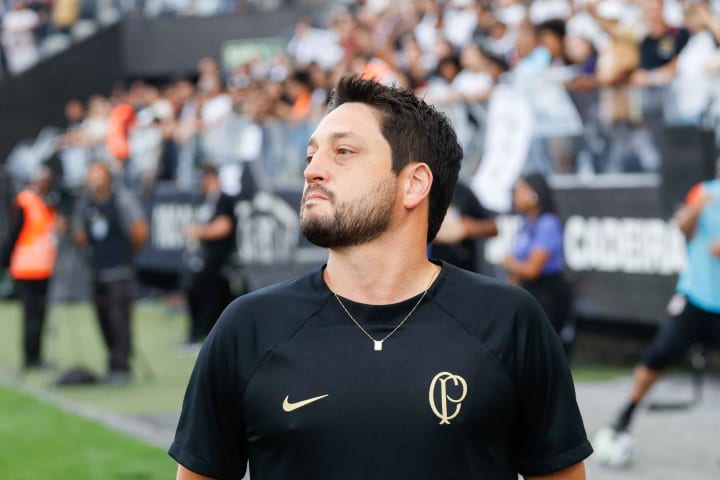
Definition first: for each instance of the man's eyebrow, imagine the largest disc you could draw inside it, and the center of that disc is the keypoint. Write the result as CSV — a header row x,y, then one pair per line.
x,y
335,136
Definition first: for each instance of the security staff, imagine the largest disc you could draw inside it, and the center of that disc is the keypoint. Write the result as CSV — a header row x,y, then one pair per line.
x,y
30,253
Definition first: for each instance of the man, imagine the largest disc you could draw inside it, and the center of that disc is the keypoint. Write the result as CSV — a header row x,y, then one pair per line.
x,y
213,242
659,49
111,224
381,364
30,253
694,311
466,221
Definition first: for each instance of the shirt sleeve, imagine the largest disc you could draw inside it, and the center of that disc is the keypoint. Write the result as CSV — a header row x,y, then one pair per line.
x,y
694,194
470,205
225,207
77,222
547,235
130,209
549,434
210,437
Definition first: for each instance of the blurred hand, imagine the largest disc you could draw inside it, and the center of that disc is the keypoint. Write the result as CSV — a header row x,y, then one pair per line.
x,y
60,225
640,78
715,248
452,229
508,261
713,64
194,231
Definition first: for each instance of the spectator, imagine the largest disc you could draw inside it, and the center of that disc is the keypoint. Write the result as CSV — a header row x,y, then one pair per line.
x,y
29,254
660,48
582,56
121,121
212,244
692,87
474,82
109,222
529,57
536,262
493,35
18,37
459,22
551,35
310,44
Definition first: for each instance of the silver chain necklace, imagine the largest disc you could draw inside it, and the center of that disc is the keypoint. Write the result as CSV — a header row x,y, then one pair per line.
x,y
378,344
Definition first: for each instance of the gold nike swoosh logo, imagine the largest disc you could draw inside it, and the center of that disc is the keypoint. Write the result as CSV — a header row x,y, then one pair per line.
x,y
289,406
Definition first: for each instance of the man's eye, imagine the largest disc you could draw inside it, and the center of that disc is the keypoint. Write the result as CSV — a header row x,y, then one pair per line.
x,y
343,151
309,157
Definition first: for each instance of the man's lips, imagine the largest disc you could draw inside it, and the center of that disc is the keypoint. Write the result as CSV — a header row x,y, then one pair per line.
x,y
315,196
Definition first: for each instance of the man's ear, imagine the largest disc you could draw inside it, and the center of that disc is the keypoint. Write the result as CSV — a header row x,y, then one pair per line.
x,y
416,182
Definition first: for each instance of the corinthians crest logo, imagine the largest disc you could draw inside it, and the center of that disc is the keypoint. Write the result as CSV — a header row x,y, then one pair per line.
x,y
441,396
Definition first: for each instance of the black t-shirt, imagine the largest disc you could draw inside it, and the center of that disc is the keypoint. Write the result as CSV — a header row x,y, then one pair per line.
x,y
474,385
214,206
463,254
657,51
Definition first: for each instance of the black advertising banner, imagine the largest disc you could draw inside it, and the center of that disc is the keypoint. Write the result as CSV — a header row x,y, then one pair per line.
x,y
622,255
269,245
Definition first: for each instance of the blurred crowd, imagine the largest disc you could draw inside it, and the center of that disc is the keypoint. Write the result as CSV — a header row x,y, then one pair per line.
x,y
34,29
453,53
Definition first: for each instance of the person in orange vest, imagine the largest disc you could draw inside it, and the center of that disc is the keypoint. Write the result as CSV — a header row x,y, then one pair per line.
x,y
29,253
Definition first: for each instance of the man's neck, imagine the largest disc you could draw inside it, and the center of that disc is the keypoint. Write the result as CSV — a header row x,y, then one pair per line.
x,y
380,272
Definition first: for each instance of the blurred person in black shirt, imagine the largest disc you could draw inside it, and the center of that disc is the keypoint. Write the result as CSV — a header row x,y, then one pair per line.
x,y
660,48
110,222
465,222
212,242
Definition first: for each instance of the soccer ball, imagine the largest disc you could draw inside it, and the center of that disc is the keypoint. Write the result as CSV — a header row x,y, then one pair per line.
x,y
614,449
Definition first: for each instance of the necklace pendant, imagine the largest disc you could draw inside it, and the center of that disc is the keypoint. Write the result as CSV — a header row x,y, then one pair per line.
x,y
377,345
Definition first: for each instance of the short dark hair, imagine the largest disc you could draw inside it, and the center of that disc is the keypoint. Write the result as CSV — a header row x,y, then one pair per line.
x,y
555,26
208,169
415,131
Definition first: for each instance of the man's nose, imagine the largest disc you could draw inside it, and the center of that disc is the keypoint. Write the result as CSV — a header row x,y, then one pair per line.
x,y
316,168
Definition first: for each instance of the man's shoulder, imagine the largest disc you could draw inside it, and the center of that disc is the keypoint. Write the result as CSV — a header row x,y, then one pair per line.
x,y
472,294
281,306
492,310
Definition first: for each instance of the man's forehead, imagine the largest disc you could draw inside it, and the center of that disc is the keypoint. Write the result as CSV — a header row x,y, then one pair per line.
x,y
346,121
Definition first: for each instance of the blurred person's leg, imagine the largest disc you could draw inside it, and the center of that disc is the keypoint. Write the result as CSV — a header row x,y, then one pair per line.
x,y
200,298
101,299
670,342
33,296
216,289
120,301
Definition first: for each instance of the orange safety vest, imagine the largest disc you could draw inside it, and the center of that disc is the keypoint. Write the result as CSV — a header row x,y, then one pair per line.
x,y
33,257
121,120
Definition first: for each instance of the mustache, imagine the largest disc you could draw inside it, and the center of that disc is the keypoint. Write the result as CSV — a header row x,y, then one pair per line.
x,y
314,188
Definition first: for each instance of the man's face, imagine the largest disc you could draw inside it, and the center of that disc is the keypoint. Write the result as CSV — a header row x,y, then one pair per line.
x,y
350,188
98,180
653,10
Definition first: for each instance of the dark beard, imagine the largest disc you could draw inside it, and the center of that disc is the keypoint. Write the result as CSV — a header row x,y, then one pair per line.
x,y
353,223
